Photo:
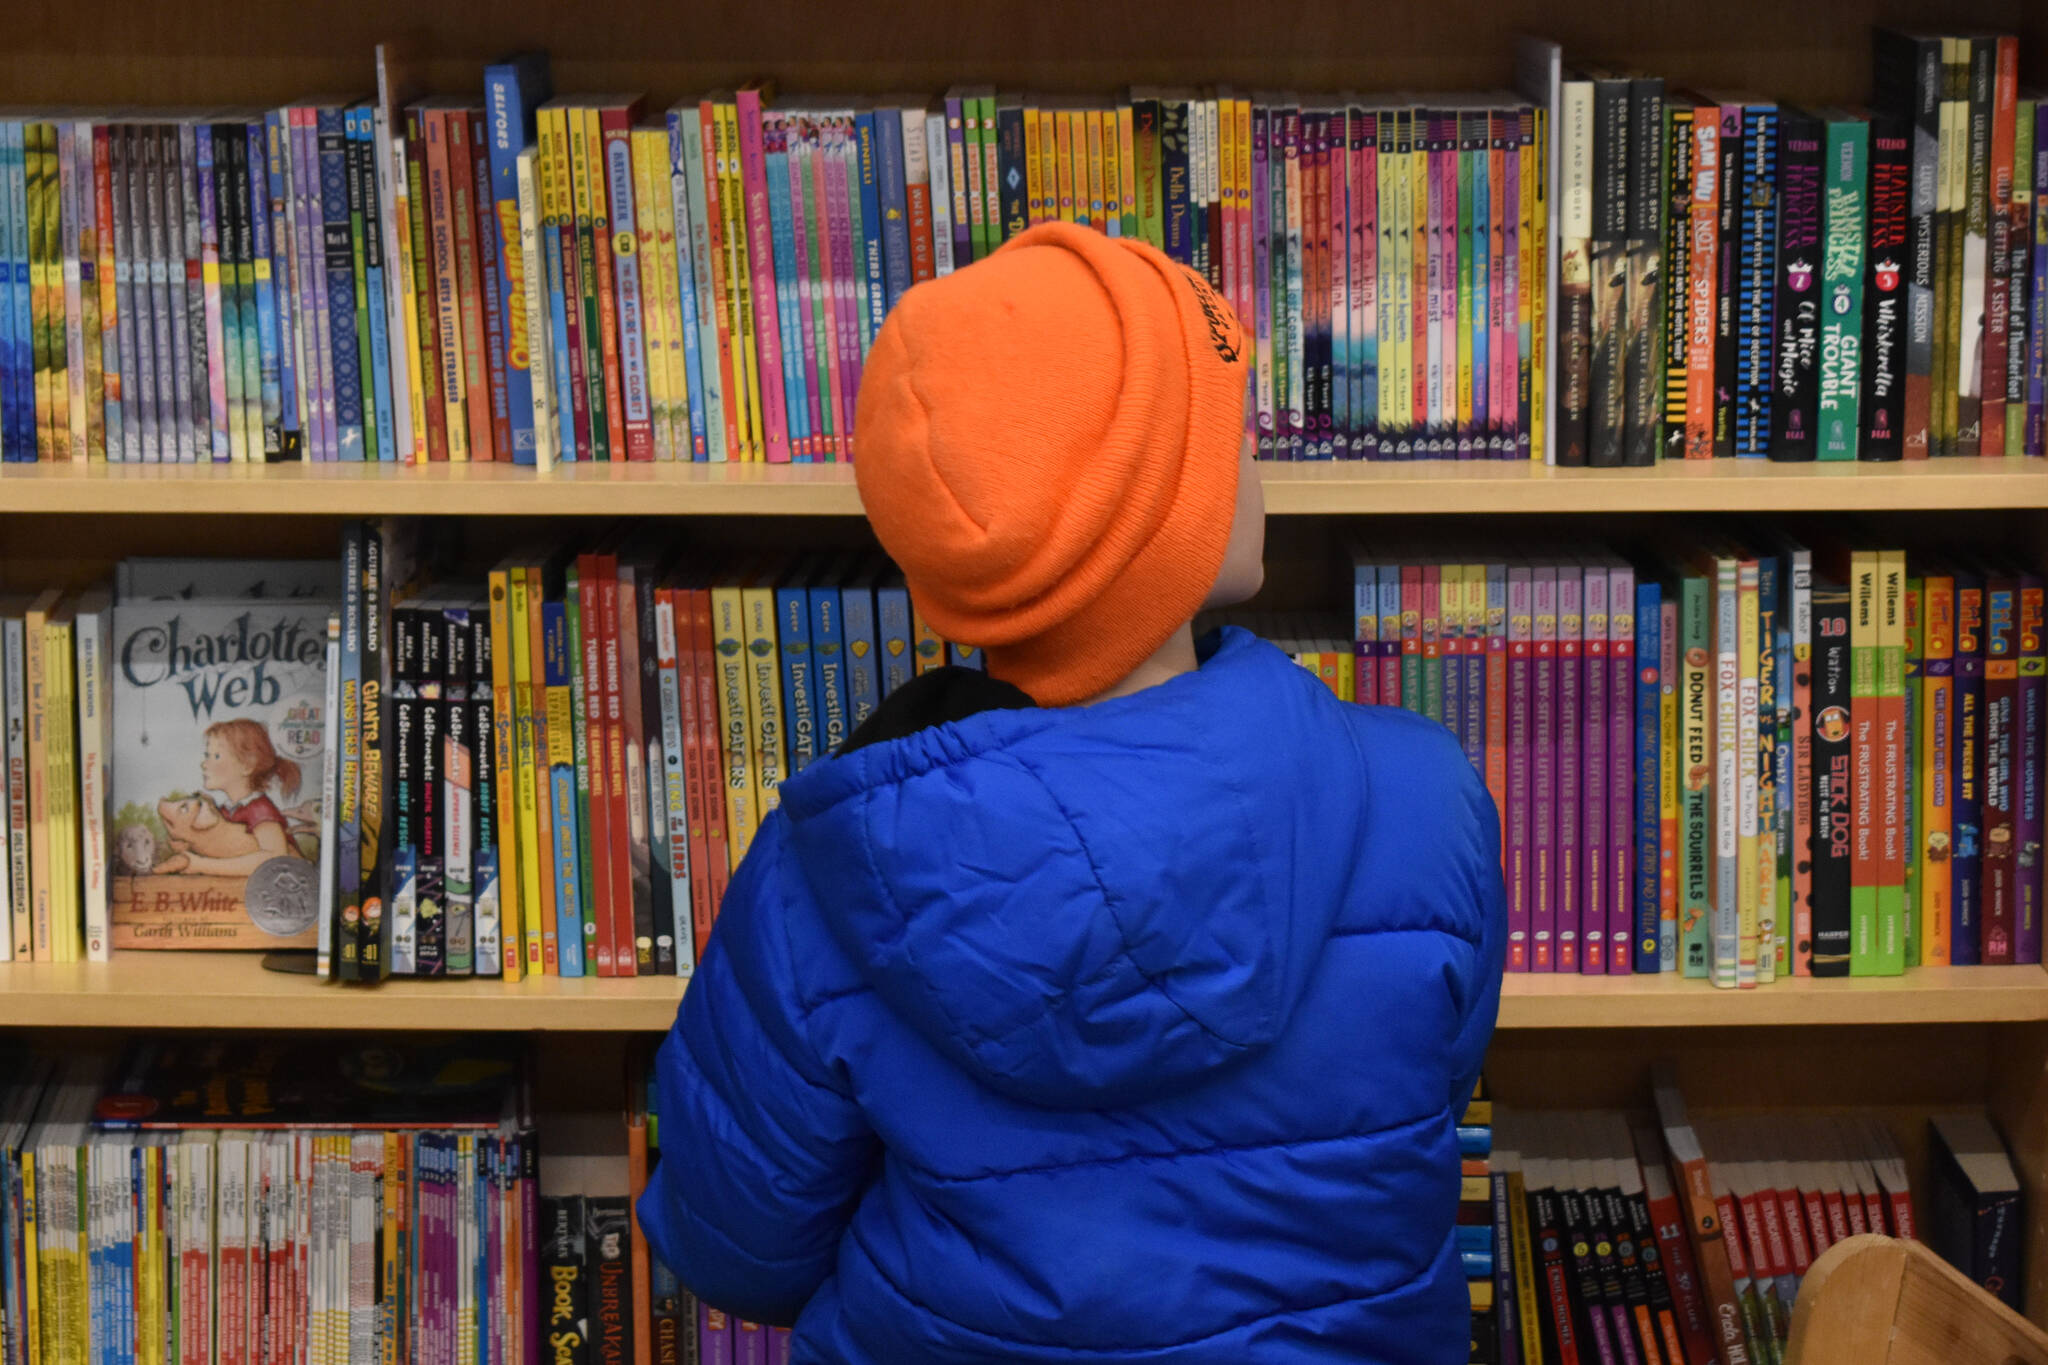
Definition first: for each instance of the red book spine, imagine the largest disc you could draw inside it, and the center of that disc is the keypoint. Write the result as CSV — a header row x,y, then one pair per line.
x,y
494,305
620,840
1681,1276
588,593
469,288
1998,289
1817,1229
917,191
554,147
717,865
423,288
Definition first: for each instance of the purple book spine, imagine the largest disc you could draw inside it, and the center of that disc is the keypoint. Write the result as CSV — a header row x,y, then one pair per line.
x,y
2027,786
714,1335
1571,706
750,1344
312,274
802,214
1507,236
1593,771
1519,683
1365,244
956,143
1262,280
1621,756
1543,771
1474,664
778,1346
492,1153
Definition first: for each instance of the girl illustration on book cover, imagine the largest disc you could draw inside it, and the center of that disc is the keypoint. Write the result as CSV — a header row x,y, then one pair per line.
x,y
236,836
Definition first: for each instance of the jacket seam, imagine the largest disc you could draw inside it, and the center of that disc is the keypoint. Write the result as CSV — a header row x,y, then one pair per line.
x,y
1110,1352
1176,1153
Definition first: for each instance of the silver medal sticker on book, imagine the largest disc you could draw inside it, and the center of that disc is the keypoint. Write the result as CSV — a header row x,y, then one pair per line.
x,y
220,726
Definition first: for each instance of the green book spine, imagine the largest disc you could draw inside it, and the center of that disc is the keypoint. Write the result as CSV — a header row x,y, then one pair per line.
x,y
1846,213
1695,728
1889,955
1863,744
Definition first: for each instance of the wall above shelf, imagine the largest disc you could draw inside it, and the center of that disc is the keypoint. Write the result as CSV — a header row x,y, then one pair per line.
x,y
1362,489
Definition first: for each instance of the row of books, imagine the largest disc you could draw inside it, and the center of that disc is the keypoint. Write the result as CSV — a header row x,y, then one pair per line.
x,y
239,1201
1735,761
1684,1242
1744,277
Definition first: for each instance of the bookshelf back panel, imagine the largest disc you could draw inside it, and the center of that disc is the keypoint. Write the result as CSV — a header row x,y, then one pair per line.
x,y
238,50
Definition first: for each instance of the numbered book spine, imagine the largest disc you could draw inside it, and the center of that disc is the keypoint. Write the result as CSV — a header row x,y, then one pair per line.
x,y
1844,237
512,92
1796,337
1888,293
2032,724
1757,280
1999,731
1966,861
460,775
1908,87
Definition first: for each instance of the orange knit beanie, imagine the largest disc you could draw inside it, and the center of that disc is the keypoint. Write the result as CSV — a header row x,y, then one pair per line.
x,y
1048,445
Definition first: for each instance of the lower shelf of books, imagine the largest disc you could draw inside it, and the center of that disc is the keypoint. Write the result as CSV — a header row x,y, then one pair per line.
x,y
233,991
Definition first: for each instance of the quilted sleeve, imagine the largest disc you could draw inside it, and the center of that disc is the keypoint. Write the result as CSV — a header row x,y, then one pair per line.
x,y
1480,989
764,1155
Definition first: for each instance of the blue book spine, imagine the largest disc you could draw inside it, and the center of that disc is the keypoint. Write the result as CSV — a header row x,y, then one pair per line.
x,y
799,696
828,651
337,257
782,241
21,409
1649,760
863,659
1476,1139
513,89
1365,629
895,203
557,671
686,280
965,656
276,142
378,375
558,332
871,228
269,366
892,620
10,397
1756,282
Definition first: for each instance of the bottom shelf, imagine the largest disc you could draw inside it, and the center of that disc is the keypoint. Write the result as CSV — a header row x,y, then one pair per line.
x,y
233,991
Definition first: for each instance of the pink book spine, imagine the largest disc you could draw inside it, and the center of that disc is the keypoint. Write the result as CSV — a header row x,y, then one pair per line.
x,y
761,264
1571,706
798,132
840,184
1510,408
1519,683
1543,771
826,300
1443,164
1593,772
1621,691
1500,350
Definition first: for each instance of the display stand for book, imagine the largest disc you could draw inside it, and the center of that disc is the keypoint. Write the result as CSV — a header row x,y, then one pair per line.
x,y
1935,1038
292,962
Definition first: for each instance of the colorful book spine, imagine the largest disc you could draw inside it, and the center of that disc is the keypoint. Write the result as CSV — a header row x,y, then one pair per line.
x,y
1966,846
2032,724
1646,774
343,351
630,284
1844,231
513,91
1756,282
1544,880
2000,731
1934,737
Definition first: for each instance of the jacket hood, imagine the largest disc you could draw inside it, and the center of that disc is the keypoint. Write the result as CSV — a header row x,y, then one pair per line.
x,y
1103,904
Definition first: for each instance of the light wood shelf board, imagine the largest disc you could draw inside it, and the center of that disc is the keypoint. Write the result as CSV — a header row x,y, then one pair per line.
x,y
232,991
1420,487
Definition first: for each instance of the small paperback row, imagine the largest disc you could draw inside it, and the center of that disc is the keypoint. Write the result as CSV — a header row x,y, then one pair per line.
x,y
554,770
323,1204
1735,761
1684,1242
1744,277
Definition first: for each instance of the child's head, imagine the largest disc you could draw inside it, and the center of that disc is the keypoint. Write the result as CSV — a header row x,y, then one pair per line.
x,y
1052,446
240,761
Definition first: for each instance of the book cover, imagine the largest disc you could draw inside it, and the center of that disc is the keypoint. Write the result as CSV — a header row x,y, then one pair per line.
x,y
1908,85
1845,232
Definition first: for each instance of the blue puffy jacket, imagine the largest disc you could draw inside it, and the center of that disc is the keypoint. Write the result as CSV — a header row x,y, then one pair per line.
x,y
1129,1033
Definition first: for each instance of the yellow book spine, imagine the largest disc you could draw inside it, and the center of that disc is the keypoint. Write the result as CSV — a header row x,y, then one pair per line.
x,y
1127,165
1748,871
1048,166
650,156
735,725
42,875
505,773
764,693
1399,397
518,645
1935,744
1223,249
149,1306
1034,179
1112,175
1667,797
653,316
1063,164
739,273
1091,129
409,320
390,1271
31,1256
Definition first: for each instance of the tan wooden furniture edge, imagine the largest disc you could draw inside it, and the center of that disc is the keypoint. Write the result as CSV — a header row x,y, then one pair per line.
x,y
1880,1301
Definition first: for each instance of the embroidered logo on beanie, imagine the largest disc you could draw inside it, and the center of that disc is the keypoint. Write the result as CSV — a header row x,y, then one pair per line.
x,y
1224,333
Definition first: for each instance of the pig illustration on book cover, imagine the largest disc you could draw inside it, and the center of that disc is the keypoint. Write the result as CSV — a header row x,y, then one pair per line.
x,y
219,724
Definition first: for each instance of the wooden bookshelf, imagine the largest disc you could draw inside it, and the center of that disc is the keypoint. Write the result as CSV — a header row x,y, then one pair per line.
x,y
234,991
1430,487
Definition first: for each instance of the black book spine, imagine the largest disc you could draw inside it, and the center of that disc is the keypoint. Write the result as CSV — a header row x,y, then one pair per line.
x,y
458,794
1996,1250
1795,352
1833,799
1966,843
374,797
1908,84
607,1260
661,890
2025,210
1588,1298
1575,282
1643,299
1607,396
1887,290
1675,336
490,944
1011,179
1628,1261
565,1294
402,894
1757,285
1662,1309
1508,1324
1560,1331
432,896
1173,178
1727,281
1971,367
250,351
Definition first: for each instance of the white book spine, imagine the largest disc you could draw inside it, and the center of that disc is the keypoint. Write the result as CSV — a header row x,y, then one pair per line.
x,y
942,192
330,801
95,748
674,806
540,353
402,318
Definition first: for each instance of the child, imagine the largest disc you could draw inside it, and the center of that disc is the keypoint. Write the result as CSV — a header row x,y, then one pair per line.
x,y
1118,1006
240,764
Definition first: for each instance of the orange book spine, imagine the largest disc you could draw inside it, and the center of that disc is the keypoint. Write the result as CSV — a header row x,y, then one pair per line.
x,y
543,796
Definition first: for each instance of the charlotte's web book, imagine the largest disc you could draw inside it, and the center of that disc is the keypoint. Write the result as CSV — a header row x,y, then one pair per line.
x,y
219,725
